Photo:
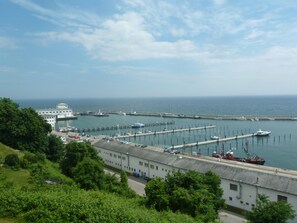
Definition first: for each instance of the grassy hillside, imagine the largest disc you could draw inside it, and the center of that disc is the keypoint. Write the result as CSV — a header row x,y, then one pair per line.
x,y
22,177
5,150
18,178
22,200
63,204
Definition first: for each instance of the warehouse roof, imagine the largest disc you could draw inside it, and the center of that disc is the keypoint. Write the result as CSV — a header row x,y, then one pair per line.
x,y
262,176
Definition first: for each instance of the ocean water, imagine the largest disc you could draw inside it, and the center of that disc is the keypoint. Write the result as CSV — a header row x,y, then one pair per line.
x,y
255,105
279,149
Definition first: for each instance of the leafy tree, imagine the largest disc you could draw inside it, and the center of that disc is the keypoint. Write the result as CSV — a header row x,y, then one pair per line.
x,y
9,117
191,193
22,129
32,131
157,194
75,152
30,158
55,148
271,211
89,174
213,183
124,179
39,173
12,160
111,183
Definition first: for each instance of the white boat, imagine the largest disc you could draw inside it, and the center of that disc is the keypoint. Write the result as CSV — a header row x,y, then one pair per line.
x,y
215,137
100,114
68,129
262,133
137,125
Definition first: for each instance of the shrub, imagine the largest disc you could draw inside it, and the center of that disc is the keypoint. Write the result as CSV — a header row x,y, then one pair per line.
x,y
12,160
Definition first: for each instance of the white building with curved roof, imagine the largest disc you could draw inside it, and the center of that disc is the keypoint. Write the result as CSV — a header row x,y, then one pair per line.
x,y
61,112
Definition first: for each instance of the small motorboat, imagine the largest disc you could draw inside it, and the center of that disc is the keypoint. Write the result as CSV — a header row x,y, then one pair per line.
x,y
137,125
262,133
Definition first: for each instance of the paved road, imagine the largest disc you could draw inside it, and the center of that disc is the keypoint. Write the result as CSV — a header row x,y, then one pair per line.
x,y
137,185
228,217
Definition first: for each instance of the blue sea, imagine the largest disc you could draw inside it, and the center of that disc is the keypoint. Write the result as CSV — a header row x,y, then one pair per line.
x,y
279,149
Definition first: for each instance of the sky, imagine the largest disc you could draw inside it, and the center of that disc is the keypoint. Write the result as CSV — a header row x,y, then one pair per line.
x,y
147,48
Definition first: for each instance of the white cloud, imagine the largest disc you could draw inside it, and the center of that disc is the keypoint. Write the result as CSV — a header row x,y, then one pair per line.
x,y
65,16
5,69
219,2
124,38
8,43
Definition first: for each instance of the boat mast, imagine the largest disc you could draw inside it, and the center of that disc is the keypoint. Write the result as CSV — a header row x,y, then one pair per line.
x,y
247,149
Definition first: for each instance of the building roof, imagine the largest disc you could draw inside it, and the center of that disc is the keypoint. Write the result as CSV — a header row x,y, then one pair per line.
x,y
263,176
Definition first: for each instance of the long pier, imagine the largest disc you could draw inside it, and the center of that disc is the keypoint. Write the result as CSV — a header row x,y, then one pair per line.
x,y
166,132
120,127
189,145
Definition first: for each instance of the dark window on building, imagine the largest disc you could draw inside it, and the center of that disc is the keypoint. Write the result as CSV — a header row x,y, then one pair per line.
x,y
282,198
230,198
233,187
152,166
146,164
156,167
140,163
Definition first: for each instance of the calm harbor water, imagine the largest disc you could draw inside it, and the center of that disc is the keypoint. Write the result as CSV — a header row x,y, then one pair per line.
x,y
279,149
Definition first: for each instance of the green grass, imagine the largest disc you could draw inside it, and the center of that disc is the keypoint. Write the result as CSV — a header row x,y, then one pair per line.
x,y
18,178
21,177
5,150
6,220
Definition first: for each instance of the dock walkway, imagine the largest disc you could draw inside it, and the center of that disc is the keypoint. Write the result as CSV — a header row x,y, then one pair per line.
x,y
189,145
166,132
120,127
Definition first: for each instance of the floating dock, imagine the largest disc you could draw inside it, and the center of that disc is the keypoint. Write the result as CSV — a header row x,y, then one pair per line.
x,y
116,127
189,145
166,132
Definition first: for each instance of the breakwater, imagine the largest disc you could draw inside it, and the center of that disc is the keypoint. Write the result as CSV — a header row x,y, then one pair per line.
x,y
202,116
216,117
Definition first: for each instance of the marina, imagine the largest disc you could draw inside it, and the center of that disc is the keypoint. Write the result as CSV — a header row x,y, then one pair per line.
x,y
231,116
265,147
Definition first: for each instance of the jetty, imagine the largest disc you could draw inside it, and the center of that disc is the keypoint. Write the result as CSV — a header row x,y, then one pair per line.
x,y
172,131
189,145
213,117
120,127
